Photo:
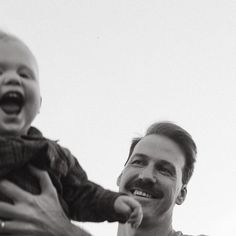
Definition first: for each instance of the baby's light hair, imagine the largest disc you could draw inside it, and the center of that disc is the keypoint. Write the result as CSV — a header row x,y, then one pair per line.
x,y
6,37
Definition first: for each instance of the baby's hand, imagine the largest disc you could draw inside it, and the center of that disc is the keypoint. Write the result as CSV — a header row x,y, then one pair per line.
x,y
129,206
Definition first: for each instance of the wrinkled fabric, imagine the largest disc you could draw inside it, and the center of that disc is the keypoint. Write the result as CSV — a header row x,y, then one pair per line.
x,y
81,199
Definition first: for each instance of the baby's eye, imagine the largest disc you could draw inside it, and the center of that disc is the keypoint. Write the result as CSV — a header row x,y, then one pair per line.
x,y
25,75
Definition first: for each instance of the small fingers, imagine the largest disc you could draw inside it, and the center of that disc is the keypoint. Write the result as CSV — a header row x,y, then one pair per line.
x,y
132,203
131,208
136,217
121,205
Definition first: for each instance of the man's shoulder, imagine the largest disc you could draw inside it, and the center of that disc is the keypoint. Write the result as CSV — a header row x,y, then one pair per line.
x,y
179,233
193,235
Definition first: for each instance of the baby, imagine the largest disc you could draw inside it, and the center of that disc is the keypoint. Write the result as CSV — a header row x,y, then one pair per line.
x,y
22,145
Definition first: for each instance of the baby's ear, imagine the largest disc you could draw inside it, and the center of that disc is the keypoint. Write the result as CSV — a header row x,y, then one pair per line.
x,y
118,180
41,100
40,104
182,195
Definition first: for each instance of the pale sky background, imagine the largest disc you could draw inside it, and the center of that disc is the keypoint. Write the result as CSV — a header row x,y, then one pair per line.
x,y
109,69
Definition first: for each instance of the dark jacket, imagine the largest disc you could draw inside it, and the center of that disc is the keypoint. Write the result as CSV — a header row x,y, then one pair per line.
x,y
81,199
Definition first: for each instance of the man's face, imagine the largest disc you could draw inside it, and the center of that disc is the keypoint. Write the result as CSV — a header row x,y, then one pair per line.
x,y
153,176
19,88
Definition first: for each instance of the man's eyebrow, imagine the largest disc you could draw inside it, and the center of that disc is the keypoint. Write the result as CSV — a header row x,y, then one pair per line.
x,y
144,156
159,162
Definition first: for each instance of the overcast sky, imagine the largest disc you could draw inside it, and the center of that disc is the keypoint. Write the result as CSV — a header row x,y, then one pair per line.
x,y
108,69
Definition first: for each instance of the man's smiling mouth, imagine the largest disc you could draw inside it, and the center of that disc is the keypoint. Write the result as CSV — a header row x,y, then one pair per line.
x,y
144,189
140,193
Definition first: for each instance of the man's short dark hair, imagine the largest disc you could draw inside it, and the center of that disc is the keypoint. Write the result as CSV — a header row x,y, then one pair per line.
x,y
181,137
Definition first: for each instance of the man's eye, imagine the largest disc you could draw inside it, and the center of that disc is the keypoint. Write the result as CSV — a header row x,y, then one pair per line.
x,y
165,171
137,162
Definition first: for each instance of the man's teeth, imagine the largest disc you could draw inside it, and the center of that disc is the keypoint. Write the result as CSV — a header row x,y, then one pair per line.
x,y
142,194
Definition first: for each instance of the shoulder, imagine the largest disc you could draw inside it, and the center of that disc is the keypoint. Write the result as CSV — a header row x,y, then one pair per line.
x,y
179,233
193,235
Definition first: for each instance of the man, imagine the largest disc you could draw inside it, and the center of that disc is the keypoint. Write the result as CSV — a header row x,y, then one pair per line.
x,y
156,174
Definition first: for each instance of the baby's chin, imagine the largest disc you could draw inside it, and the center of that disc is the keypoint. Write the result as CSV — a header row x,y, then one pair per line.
x,y
13,132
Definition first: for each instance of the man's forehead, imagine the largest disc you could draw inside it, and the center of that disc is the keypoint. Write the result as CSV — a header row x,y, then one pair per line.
x,y
157,142
158,147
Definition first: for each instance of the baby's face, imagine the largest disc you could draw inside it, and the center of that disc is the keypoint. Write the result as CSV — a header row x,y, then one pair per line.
x,y
19,88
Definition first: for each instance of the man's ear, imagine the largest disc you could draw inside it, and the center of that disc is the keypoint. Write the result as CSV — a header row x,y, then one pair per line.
x,y
182,195
118,180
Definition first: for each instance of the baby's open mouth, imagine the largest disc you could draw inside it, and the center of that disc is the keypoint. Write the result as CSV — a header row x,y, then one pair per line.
x,y
12,102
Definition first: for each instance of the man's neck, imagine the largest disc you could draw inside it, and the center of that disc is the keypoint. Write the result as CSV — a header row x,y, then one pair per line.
x,y
164,229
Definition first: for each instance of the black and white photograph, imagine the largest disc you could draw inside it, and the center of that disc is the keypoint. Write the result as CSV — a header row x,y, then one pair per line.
x,y
117,117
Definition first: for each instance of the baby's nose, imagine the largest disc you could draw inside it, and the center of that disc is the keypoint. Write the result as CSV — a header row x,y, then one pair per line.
x,y
12,79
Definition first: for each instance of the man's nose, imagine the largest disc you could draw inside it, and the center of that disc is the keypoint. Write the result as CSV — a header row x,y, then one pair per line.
x,y
12,78
148,174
